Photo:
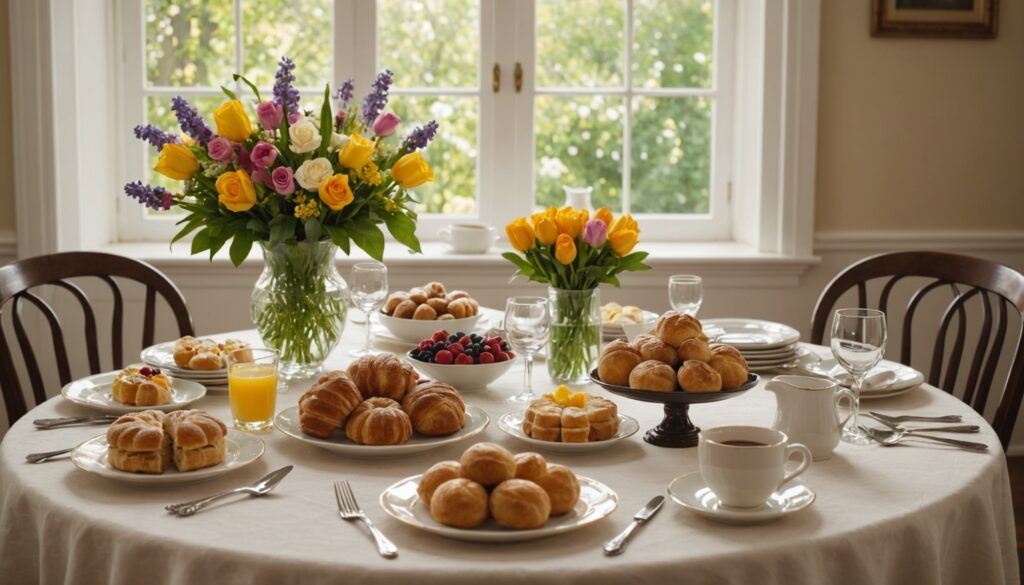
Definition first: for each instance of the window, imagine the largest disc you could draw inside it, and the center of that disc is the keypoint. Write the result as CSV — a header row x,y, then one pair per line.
x,y
630,97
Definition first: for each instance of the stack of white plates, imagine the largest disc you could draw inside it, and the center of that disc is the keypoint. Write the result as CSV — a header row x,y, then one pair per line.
x,y
765,345
161,356
612,330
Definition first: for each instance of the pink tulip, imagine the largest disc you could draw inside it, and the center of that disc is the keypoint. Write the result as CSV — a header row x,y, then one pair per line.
x,y
282,180
220,149
270,114
595,233
263,155
385,124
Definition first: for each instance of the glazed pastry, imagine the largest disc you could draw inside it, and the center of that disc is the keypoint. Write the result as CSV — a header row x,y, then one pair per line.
x,y
384,375
562,487
435,409
731,368
434,290
673,328
616,362
531,466
229,346
543,420
459,502
603,415
652,348
488,464
196,437
697,376
694,349
520,505
378,421
575,425
183,350
325,407
393,301
653,375
136,443
461,308
405,309
141,386
434,477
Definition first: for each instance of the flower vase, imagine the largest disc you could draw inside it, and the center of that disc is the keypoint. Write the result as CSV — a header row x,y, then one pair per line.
x,y
575,340
578,197
299,305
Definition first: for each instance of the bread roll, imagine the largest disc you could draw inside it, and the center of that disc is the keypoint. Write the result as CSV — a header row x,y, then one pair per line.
x,y
138,432
616,362
384,375
652,348
487,464
440,305
394,299
424,312
694,349
460,503
673,328
731,368
435,409
405,309
520,505
697,376
446,317
460,308
418,295
197,439
434,290
434,477
325,407
604,418
722,348
531,466
562,487
378,421
653,375
457,294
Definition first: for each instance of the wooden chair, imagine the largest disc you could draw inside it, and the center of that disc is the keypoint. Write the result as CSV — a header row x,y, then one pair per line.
x,y
18,278
967,278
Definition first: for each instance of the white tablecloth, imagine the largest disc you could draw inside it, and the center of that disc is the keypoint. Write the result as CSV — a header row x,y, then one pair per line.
x,y
917,514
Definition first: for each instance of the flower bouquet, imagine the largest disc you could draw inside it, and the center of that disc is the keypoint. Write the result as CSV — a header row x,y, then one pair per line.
x,y
573,253
299,182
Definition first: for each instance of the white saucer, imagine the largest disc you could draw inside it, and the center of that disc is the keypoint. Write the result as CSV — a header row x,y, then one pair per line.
x,y
96,392
690,492
512,424
744,334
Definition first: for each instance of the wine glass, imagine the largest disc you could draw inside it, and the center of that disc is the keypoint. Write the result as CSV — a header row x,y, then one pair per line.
x,y
369,290
685,293
858,343
527,324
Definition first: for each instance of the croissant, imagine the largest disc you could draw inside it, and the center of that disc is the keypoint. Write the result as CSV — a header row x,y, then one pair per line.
x,y
378,421
382,375
325,407
435,409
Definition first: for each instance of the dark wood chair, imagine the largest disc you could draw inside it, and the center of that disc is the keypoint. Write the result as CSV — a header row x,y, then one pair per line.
x,y
16,283
996,286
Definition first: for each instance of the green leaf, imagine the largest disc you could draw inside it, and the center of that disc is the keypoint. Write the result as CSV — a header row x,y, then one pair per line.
x,y
612,280
257,226
201,241
312,228
282,229
518,260
403,228
236,77
193,222
228,93
326,121
340,238
217,242
365,233
241,244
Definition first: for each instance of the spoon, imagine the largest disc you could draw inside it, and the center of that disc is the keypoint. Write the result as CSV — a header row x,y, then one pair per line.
x,y
890,438
40,457
259,488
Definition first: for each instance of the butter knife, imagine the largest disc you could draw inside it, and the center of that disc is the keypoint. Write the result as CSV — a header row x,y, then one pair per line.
x,y
53,423
618,544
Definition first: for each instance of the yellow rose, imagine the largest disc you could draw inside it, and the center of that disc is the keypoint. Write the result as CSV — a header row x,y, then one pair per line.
x,y
569,222
547,231
335,192
604,215
520,234
236,191
176,162
565,249
232,121
622,241
412,170
356,152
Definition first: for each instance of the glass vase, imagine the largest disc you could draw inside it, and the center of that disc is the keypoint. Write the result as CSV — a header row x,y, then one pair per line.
x,y
575,339
299,305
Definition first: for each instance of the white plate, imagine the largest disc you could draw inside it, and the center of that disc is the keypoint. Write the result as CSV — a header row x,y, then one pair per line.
x,y
96,392
804,359
886,393
485,319
905,376
240,449
161,356
750,333
611,331
755,354
287,421
512,424
596,501
690,492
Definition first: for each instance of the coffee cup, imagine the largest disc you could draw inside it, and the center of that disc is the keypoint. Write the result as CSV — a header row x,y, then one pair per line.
x,y
468,238
745,465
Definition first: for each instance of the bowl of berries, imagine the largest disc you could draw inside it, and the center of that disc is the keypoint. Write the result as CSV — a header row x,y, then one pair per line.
x,y
466,361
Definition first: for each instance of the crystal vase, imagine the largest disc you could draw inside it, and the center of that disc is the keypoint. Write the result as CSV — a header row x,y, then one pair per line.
x,y
575,339
299,305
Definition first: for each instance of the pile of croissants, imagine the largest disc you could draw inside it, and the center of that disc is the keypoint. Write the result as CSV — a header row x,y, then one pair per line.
x,y
675,356
380,400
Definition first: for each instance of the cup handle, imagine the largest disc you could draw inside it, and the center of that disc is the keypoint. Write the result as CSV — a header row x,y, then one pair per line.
x,y
849,395
446,235
805,455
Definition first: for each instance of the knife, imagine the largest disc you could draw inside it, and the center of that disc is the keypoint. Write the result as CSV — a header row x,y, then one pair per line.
x,y
52,423
618,544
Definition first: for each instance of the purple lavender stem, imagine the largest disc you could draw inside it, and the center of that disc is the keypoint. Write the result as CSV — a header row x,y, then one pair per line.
x,y
377,98
191,122
151,197
155,136
284,93
420,137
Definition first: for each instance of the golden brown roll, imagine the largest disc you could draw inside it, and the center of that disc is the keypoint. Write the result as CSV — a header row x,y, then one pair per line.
x,y
424,312
418,295
725,349
435,409
434,290
439,304
197,439
461,308
673,328
697,376
562,487
457,294
575,425
184,349
138,432
694,349
446,317
405,309
653,375
434,477
543,420
382,374
616,362
520,505
394,299
531,466
487,464
459,502
325,407
378,421
731,368
652,348
604,418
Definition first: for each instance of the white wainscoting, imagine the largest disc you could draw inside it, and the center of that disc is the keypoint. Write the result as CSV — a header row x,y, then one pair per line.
x,y
8,246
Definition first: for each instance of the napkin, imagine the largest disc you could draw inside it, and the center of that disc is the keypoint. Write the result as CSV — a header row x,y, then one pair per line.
x,y
876,381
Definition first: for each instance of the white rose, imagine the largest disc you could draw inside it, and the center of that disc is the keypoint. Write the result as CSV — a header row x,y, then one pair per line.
x,y
312,173
338,141
304,137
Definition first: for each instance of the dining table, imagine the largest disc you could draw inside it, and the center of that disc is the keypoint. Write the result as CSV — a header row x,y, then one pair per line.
x,y
916,513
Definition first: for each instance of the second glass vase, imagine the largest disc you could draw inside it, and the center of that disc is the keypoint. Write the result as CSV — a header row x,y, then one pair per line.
x,y
575,340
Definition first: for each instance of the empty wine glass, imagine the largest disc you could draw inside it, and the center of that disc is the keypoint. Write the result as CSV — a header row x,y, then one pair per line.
x,y
368,288
685,293
527,324
858,343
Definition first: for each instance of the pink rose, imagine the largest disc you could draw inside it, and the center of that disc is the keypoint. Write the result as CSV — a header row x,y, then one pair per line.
x,y
282,181
270,114
243,159
294,117
259,176
220,149
263,155
385,124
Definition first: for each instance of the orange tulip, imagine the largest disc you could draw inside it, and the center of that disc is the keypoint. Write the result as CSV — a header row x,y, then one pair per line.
x,y
520,234
565,249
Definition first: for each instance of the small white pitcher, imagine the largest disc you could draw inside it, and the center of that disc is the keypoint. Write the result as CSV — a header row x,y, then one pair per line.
x,y
807,412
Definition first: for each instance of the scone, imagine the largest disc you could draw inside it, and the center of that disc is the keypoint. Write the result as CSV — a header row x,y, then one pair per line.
x,y
616,362
653,375
697,376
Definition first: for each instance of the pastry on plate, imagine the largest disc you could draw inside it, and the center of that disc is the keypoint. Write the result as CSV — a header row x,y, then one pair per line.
x,y
652,348
697,376
520,505
653,375
459,502
617,360
673,328
694,349
571,417
603,415
136,442
488,464
378,421
731,367
197,439
435,409
382,374
562,487
141,386
434,477
326,406
531,466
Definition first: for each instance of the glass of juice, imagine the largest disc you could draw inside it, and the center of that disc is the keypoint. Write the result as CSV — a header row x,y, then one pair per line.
x,y
252,388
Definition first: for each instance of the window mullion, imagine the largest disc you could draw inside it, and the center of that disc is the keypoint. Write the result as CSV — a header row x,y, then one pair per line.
x,y
627,117
239,54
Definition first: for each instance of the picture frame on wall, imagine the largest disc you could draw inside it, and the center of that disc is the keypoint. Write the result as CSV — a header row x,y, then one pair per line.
x,y
935,18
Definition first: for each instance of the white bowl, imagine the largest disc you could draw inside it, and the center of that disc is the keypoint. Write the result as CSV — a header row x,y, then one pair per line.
x,y
414,330
464,377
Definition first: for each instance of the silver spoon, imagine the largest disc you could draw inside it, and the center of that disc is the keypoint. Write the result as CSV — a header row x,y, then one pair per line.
x,y
890,438
259,488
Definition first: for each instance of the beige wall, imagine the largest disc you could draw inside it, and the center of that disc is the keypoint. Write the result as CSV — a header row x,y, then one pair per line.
x,y
929,130
6,143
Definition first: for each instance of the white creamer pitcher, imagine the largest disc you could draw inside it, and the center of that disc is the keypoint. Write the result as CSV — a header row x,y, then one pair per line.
x,y
807,411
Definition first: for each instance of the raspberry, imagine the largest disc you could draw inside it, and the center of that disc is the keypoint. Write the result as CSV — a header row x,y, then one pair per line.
x,y
444,357
439,335
456,348
493,340
425,344
463,359
465,340
487,358
501,357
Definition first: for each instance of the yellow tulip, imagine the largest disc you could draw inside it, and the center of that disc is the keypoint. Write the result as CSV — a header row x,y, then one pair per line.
x,y
235,191
520,234
565,249
625,222
604,215
232,121
569,221
622,241
335,192
356,152
412,170
176,162
549,213
547,230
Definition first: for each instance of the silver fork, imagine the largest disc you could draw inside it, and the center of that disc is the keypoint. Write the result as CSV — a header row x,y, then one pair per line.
x,y
891,438
349,509
942,429
950,418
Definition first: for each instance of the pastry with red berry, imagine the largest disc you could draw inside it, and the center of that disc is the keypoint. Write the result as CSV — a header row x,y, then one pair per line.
x,y
141,386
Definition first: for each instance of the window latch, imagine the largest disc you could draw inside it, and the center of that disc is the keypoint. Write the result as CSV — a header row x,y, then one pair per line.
x,y
518,76
496,79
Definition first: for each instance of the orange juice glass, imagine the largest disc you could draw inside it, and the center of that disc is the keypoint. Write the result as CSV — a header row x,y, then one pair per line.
x,y
252,388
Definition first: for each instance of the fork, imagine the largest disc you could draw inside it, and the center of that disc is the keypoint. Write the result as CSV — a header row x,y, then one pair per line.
x,y
891,438
348,509
942,429
951,418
